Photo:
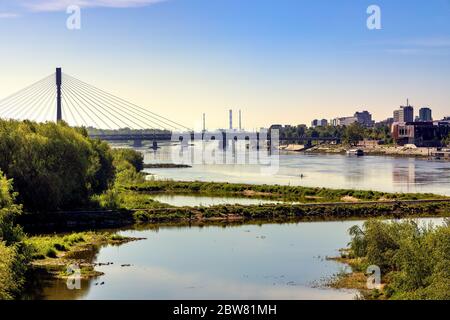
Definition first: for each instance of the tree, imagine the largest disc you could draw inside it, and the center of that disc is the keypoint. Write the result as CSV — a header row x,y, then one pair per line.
x,y
446,141
353,134
53,165
13,253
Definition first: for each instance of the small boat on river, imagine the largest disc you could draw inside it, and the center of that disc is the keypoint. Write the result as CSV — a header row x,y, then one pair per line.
x,y
355,152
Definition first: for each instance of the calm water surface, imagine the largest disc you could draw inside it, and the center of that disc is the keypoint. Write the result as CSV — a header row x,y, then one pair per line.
x,y
197,201
272,261
389,174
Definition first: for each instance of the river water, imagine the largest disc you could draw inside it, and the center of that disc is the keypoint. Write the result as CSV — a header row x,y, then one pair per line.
x,y
201,201
270,261
381,173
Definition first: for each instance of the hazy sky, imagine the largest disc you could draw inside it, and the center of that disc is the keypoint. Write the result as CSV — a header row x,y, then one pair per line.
x,y
283,61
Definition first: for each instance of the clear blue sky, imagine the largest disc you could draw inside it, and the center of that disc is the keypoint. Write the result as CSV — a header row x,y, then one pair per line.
x,y
284,61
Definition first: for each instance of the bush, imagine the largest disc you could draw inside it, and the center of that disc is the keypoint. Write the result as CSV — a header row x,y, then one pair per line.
x,y
414,260
53,166
10,282
125,157
14,256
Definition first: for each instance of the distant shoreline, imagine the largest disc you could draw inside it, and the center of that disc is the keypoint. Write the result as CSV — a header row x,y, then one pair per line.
x,y
382,150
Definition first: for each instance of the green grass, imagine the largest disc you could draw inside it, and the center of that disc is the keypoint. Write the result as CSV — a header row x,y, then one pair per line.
x,y
278,192
50,246
285,212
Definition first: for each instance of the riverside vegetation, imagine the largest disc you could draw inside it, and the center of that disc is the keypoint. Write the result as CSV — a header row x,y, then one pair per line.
x,y
414,260
43,168
49,168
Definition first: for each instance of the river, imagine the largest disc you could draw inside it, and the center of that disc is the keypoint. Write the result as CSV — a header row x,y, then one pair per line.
x,y
380,173
269,261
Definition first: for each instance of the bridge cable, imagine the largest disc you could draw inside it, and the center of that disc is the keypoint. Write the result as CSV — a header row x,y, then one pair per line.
x,y
139,114
51,109
95,100
38,104
48,104
11,96
11,104
22,107
71,97
26,106
111,106
117,109
74,96
150,113
94,107
66,106
74,107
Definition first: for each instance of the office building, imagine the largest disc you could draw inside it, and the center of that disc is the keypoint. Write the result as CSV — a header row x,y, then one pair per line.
x,y
364,118
425,114
404,114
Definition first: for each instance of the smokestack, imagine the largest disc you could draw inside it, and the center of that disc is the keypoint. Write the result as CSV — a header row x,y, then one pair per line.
x,y
231,119
240,124
204,122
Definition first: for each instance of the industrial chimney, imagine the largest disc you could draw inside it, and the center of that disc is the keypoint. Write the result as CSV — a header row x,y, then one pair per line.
x,y
231,119
204,122
240,124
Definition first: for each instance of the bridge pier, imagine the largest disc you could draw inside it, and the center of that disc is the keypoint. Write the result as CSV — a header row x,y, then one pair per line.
x,y
224,141
137,143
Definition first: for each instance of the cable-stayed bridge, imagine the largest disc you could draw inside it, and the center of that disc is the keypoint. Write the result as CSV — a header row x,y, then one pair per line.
x,y
62,97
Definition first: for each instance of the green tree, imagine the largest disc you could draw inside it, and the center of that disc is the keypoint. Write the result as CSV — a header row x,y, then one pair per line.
x,y
414,260
53,166
14,255
353,134
446,140
128,163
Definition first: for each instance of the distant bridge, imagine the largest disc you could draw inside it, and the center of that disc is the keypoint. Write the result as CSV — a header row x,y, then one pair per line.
x,y
308,140
61,97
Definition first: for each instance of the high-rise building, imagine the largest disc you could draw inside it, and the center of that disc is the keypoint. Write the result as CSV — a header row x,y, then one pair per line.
x,y
364,118
408,114
397,115
404,114
425,114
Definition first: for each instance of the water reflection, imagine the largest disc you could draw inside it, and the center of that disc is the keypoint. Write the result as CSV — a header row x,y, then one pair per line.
x,y
270,261
388,174
197,201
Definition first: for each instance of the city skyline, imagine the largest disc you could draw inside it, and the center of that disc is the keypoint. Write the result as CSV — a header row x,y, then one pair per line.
x,y
276,63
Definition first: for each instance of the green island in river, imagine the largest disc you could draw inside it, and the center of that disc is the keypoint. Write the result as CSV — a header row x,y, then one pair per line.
x,y
56,177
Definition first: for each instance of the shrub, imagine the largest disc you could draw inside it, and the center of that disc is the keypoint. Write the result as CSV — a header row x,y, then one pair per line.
x,y
53,166
414,260
14,256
